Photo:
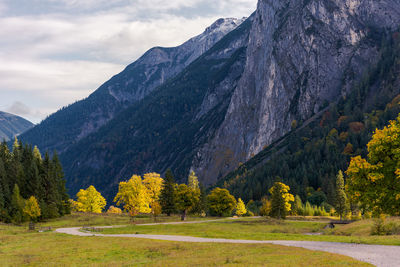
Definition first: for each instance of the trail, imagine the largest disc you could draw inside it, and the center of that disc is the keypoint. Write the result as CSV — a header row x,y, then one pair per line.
x,y
378,255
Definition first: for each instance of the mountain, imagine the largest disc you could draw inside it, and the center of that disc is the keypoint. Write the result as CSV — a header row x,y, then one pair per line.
x,y
301,56
312,153
12,125
71,124
164,129
239,103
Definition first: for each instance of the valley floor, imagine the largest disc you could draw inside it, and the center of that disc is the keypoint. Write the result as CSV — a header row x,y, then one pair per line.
x,y
20,247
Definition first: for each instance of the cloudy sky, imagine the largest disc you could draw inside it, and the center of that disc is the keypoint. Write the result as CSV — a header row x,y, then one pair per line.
x,y
54,52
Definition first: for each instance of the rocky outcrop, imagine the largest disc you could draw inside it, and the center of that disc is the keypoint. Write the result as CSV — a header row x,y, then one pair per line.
x,y
301,55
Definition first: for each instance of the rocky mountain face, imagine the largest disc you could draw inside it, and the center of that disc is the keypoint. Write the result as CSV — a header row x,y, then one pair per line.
x,y
301,55
73,123
12,125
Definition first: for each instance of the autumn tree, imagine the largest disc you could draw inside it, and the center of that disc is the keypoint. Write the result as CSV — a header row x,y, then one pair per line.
x,y
342,204
154,184
193,182
280,200
186,198
90,200
134,196
375,182
240,208
221,202
167,196
32,209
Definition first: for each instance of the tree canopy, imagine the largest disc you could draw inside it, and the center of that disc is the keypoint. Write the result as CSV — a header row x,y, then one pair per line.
x,y
90,200
221,202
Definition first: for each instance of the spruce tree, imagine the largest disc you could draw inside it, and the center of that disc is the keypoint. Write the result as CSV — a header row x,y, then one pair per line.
x,y
167,196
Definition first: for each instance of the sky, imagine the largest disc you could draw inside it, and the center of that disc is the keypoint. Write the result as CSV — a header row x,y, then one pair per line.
x,y
55,52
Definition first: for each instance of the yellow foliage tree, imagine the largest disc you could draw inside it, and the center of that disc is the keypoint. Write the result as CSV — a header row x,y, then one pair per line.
x,y
114,210
32,209
90,200
375,182
154,184
280,200
134,195
240,208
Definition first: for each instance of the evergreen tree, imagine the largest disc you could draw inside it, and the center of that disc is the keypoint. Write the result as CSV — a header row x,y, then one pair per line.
x,y
17,205
167,196
342,204
297,206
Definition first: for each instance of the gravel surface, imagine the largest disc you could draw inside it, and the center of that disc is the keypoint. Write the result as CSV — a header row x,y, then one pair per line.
x,y
378,255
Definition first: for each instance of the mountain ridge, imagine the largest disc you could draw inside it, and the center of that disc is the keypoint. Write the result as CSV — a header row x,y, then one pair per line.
x,y
12,125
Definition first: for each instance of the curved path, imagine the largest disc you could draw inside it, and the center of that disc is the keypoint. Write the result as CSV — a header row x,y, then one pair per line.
x,y
385,256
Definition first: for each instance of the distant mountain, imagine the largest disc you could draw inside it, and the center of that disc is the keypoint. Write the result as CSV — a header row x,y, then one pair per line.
x,y
73,123
12,125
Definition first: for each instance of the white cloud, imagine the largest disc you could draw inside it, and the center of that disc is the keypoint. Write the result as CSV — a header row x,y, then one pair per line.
x,y
61,52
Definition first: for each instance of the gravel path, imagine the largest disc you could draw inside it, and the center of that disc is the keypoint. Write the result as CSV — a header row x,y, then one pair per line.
x,y
385,256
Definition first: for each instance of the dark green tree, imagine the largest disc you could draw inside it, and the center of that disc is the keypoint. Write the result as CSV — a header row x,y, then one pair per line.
x,y
167,195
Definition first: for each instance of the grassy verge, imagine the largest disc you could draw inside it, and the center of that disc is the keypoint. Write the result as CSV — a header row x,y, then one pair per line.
x,y
18,247
262,229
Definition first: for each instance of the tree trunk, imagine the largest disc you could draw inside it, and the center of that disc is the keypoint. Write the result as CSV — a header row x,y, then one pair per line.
x,y
31,226
183,216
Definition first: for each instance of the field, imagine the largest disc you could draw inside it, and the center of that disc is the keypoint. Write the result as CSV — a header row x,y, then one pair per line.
x,y
20,247
268,229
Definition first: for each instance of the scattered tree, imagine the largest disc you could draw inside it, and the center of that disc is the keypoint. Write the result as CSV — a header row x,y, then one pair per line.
x,y
154,184
375,182
280,200
342,204
167,196
186,199
240,208
134,196
221,202
90,200
32,209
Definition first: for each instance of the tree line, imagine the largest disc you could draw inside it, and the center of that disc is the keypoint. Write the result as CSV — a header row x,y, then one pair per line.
x,y
31,187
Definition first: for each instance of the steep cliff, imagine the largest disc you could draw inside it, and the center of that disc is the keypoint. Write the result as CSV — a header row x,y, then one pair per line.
x,y
69,125
301,56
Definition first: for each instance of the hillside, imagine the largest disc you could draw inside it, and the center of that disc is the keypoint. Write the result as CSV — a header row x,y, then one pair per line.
x,y
12,125
165,128
72,123
312,154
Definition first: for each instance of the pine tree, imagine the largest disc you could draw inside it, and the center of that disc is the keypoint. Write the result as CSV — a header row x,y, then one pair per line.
x,y
342,205
167,196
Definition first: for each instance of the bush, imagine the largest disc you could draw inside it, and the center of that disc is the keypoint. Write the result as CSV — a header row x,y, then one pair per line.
x,y
248,214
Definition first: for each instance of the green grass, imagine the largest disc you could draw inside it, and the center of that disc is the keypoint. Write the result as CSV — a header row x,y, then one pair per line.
x,y
104,219
18,247
263,229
